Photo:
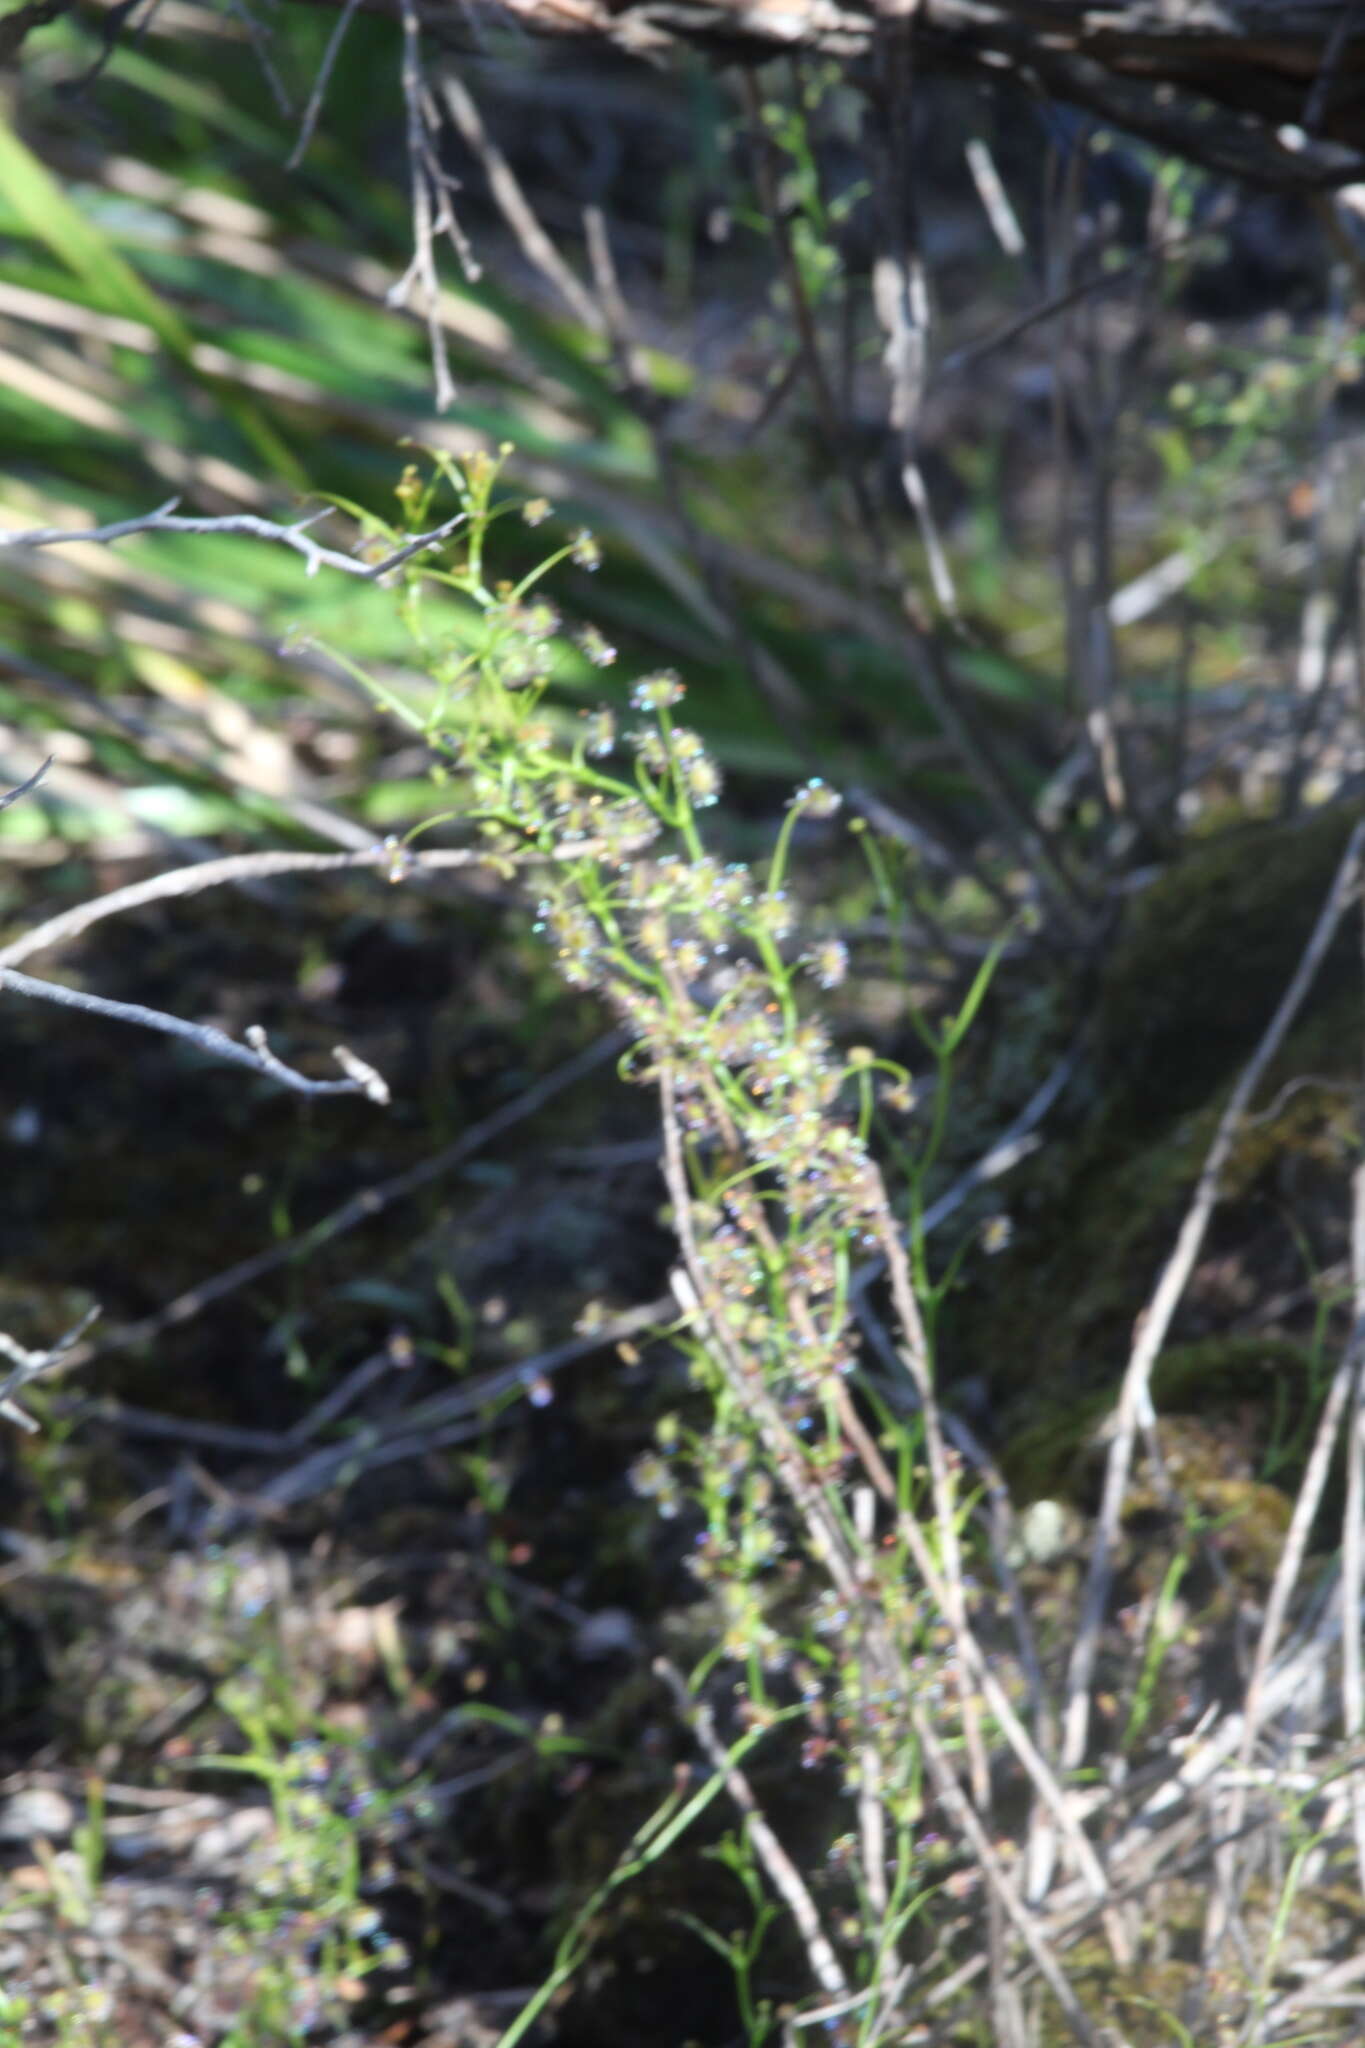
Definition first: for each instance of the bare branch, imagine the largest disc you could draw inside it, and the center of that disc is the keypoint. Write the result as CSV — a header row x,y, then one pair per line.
x,y
165,520
361,1079
1250,88
320,83
433,212
30,1365
443,1419
234,867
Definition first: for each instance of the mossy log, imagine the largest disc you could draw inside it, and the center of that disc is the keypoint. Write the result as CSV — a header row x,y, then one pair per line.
x,y
1188,989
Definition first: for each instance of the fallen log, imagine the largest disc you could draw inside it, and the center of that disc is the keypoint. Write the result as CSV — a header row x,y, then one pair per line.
x,y
1268,90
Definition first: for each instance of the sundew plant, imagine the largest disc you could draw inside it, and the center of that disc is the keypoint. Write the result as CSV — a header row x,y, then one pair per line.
x,y
805,1477
945,1814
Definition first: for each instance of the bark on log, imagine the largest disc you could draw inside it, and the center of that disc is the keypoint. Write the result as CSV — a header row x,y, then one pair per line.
x,y
1269,90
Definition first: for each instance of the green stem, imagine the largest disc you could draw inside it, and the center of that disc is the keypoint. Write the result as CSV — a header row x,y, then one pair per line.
x,y
777,867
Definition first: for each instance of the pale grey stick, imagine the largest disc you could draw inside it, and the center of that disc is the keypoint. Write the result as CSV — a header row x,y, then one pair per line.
x,y
360,1078
515,208
31,1365
12,796
209,874
166,520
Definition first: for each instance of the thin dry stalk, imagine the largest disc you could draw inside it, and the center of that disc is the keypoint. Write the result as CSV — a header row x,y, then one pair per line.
x,y
319,93
442,1419
359,1077
941,1476
31,1365
836,438
825,1533
12,796
782,1873
904,312
1330,625
1064,194
613,312
900,297
990,190
711,599
1298,1672
974,1659
516,209
950,1592
1343,1398
1178,239
1338,1977
433,212
1352,1589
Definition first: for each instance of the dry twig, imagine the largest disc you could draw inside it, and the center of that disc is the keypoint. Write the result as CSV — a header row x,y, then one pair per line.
x,y
360,1078
211,874
31,1365
165,519
433,211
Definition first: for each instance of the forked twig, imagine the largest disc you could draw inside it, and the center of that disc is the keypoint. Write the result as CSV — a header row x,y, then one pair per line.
x,y
165,519
360,1077
31,1365
433,211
